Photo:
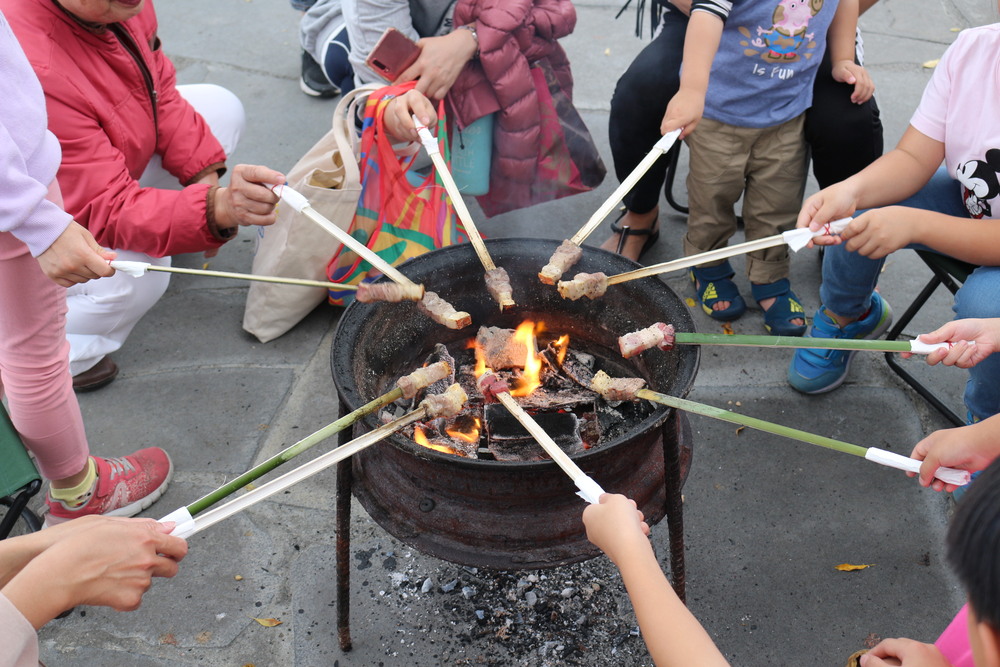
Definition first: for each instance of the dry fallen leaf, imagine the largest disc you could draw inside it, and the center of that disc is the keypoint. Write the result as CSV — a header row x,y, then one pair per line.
x,y
203,637
268,622
931,64
168,638
238,577
847,567
740,429
204,266
727,328
690,302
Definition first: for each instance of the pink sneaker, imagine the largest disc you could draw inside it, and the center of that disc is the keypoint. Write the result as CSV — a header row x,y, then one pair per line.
x,y
125,486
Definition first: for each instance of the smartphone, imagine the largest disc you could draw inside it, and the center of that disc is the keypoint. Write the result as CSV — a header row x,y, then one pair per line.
x,y
393,53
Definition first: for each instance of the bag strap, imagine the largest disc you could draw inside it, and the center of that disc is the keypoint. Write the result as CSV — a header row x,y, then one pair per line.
x,y
344,134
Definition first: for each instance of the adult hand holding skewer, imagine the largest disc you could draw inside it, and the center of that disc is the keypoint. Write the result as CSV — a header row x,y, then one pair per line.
x,y
247,200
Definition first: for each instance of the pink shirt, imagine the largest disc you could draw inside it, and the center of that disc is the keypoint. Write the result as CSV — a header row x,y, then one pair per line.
x,y
20,643
958,109
954,641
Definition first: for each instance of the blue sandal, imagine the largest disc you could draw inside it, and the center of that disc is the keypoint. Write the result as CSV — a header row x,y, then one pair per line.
x,y
713,284
786,307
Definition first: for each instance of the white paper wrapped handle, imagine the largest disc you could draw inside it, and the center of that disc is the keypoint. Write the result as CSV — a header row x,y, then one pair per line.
x,y
797,239
134,269
292,197
426,138
893,460
917,346
589,489
185,522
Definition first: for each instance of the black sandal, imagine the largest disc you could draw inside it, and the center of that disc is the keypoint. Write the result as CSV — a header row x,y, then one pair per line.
x,y
625,231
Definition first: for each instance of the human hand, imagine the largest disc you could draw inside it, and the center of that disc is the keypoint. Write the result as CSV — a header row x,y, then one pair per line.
x,y
829,204
440,62
972,341
905,652
106,561
76,257
615,525
847,71
399,112
684,110
879,231
248,199
971,448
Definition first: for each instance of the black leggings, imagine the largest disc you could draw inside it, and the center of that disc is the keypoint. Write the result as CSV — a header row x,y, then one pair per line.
x,y
843,137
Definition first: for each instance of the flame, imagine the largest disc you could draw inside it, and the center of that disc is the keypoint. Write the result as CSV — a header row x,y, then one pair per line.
x,y
471,435
531,379
562,345
480,363
421,439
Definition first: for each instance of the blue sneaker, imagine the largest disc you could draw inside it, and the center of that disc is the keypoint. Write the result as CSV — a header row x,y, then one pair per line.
x,y
819,371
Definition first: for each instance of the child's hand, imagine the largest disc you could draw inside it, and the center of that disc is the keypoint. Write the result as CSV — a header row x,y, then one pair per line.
x,y
832,203
878,232
684,110
973,340
969,448
905,652
847,71
615,525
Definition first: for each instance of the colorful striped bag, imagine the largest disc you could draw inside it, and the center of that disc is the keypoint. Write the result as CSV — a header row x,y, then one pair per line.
x,y
400,214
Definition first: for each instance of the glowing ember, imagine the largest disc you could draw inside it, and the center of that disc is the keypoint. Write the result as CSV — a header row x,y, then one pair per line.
x,y
421,439
531,379
471,435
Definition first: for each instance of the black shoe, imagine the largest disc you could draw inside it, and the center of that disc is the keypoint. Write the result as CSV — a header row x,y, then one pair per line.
x,y
313,81
103,372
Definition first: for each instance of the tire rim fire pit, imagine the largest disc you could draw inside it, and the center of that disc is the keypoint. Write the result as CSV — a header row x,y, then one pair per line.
x,y
509,514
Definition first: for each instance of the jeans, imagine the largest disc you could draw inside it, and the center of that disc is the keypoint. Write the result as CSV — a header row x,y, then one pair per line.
x,y
849,279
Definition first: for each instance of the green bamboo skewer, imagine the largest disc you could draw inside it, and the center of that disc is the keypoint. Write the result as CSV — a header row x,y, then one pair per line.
x,y
874,454
685,338
229,488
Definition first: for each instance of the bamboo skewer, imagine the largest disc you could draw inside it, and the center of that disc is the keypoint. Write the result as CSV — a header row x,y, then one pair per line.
x,y
914,346
659,149
475,238
299,202
138,268
796,239
874,454
188,524
551,272
589,489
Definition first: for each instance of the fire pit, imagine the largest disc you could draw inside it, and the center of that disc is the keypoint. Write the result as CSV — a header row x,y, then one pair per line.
x,y
510,514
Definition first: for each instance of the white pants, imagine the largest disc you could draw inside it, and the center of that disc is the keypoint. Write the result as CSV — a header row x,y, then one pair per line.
x,y
101,313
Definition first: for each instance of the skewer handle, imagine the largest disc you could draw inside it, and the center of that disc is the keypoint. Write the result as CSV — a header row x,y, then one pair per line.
x,y
187,526
659,148
298,202
431,146
118,265
893,460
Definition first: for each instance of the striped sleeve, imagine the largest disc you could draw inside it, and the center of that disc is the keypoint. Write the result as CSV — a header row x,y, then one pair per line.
x,y
720,8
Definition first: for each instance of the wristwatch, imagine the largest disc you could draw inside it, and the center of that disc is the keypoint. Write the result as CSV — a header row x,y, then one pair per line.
x,y
471,27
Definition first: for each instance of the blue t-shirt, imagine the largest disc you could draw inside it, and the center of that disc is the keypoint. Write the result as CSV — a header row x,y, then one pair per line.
x,y
764,71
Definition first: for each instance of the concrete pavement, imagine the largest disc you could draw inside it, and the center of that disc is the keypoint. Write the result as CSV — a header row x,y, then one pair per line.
x,y
766,519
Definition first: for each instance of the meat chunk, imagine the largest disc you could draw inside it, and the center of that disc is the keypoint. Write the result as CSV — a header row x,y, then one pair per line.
x,y
616,389
657,335
498,285
443,312
448,404
422,377
565,256
490,384
392,292
590,285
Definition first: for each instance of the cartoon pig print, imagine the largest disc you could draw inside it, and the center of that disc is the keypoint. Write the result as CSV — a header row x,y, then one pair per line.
x,y
788,31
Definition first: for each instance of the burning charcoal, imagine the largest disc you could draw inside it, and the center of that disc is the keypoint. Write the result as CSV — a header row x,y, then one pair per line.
x,y
657,335
576,365
509,441
500,349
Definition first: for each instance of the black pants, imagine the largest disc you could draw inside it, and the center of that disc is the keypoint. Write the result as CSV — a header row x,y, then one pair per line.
x,y
843,137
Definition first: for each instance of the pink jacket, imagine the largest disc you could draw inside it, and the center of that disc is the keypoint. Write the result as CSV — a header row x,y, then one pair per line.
x,y
112,102
513,34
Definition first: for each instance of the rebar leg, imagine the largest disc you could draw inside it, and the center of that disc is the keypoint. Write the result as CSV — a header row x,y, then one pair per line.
x,y
674,504
345,480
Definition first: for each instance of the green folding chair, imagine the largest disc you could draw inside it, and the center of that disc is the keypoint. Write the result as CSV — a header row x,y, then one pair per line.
x,y
19,481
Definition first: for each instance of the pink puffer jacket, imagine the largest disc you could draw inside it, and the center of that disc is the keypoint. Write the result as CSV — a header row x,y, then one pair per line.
x,y
513,34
